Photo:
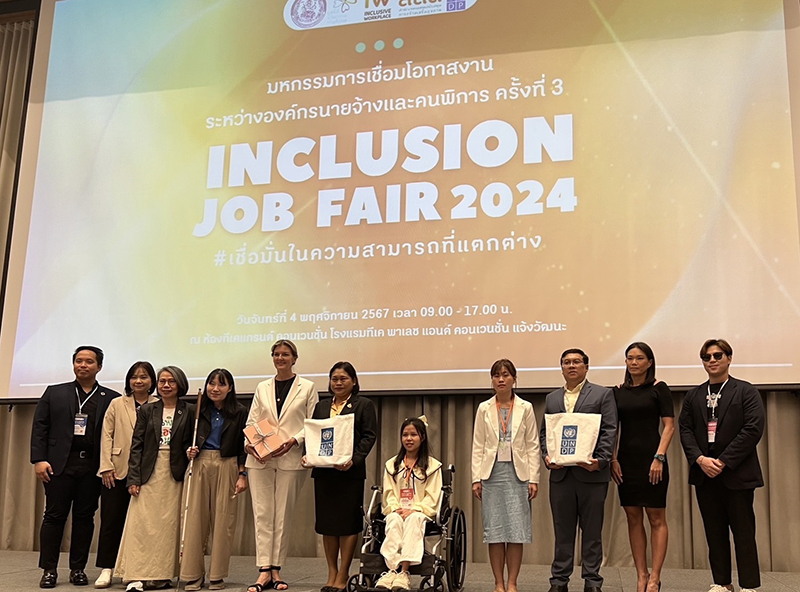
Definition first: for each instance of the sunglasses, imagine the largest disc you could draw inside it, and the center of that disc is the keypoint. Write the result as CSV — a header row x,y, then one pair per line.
x,y
716,355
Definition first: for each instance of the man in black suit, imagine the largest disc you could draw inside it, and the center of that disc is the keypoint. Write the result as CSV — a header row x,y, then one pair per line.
x,y
578,494
65,452
721,423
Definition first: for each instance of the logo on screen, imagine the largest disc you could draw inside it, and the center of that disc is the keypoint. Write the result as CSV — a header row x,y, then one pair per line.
x,y
455,5
308,13
326,442
569,439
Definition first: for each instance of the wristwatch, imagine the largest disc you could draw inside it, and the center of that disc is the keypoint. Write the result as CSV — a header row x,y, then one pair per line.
x,y
660,457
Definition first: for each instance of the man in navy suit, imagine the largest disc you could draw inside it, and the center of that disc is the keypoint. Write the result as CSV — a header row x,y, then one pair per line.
x,y
721,423
65,452
578,494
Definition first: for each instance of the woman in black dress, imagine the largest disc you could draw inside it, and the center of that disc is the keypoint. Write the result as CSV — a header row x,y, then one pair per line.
x,y
639,466
339,492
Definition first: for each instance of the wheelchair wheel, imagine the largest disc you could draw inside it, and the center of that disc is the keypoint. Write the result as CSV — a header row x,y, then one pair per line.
x,y
359,582
456,551
427,584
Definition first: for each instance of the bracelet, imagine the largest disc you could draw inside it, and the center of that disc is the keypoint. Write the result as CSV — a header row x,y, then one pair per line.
x,y
243,473
614,460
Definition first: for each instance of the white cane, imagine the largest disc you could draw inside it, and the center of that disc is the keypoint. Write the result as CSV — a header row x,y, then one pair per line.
x,y
189,480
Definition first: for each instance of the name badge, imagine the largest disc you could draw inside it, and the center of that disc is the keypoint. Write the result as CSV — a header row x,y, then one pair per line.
x,y
712,430
406,498
81,421
504,451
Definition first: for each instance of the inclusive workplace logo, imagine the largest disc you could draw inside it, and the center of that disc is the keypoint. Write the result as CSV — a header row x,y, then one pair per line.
x,y
302,15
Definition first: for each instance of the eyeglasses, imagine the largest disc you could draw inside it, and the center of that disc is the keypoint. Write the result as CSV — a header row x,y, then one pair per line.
x,y
707,357
571,362
165,382
337,380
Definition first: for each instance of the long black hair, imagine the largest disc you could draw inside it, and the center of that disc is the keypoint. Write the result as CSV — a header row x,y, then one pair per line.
x,y
226,378
650,377
422,455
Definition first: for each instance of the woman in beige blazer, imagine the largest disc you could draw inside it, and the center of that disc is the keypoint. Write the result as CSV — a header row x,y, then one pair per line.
x,y
115,451
285,400
505,473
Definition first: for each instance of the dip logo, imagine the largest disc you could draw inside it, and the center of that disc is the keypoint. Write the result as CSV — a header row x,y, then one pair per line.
x,y
456,5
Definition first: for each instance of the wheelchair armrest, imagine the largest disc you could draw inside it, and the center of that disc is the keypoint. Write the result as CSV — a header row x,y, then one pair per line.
x,y
375,487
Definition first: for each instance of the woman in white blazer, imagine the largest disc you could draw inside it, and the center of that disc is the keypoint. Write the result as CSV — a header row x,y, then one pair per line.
x,y
115,452
285,400
505,473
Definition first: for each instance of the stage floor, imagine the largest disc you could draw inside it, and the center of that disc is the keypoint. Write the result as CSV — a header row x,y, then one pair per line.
x,y
19,573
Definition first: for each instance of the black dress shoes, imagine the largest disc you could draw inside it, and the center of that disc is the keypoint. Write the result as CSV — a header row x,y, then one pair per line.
x,y
77,577
49,579
592,589
558,588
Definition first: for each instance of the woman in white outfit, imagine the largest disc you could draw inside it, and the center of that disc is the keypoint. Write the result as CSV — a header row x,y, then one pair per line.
x,y
412,483
505,473
285,400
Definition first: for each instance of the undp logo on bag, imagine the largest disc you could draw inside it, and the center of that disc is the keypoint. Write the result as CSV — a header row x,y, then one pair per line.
x,y
326,442
569,439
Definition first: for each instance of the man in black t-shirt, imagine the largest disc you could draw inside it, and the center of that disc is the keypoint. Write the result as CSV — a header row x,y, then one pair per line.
x,y
65,452
721,424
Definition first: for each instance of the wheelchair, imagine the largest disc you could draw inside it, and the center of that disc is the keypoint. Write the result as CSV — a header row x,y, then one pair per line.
x,y
445,557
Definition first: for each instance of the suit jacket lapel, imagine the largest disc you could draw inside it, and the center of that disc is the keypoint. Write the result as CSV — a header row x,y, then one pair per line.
x,y
582,396
73,398
702,406
349,407
130,410
728,393
156,420
292,394
272,406
560,406
516,418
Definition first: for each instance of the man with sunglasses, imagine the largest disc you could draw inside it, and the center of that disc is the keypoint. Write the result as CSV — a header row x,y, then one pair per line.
x,y
721,424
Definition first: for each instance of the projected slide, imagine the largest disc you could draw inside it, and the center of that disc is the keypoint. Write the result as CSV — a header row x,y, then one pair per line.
x,y
418,186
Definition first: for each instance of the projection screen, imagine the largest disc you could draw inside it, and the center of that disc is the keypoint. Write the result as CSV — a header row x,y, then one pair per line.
x,y
418,186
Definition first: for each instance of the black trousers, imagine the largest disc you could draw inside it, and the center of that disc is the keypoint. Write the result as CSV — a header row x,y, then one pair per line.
x,y
575,503
78,488
727,511
113,511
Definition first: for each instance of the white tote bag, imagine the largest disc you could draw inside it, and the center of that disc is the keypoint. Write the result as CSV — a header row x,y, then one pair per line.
x,y
329,441
571,437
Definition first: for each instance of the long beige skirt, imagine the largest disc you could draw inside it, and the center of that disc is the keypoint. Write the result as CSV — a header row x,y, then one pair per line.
x,y
151,539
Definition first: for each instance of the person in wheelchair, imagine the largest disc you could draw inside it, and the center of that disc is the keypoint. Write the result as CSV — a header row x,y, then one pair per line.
x,y
412,482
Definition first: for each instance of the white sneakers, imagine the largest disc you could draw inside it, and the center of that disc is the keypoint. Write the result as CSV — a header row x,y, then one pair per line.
x,y
104,579
718,588
391,580
401,581
386,581
135,587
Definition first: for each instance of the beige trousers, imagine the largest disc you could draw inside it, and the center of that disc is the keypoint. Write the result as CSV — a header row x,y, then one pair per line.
x,y
274,493
210,508
405,539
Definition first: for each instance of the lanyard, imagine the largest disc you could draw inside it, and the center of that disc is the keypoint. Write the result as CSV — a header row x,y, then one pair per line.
x,y
77,394
504,423
408,475
713,398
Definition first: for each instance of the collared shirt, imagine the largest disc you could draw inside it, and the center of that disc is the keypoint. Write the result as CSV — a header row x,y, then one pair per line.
x,y
215,437
337,409
571,396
